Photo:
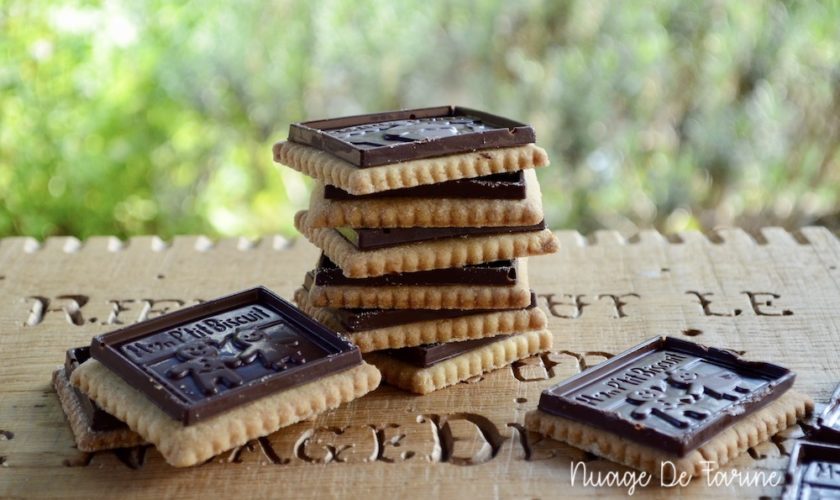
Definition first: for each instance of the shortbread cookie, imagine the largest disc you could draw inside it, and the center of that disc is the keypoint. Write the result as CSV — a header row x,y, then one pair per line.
x,y
719,451
209,377
667,405
87,438
501,352
426,297
468,327
183,446
358,181
422,256
427,212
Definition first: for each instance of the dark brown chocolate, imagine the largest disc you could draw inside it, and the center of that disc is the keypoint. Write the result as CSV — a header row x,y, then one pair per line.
x,y
502,272
360,320
668,393
813,472
501,186
383,138
100,420
372,239
203,360
428,355
828,423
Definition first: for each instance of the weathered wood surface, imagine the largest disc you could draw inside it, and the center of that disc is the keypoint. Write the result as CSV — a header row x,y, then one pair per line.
x,y
775,296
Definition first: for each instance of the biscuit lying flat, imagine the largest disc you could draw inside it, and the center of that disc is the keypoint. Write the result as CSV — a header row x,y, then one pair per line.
x,y
428,368
360,181
412,212
426,255
670,407
210,377
419,294
380,329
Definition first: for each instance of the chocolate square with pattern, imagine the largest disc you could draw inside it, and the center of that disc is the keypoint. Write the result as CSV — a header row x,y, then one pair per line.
x,y
813,472
382,138
668,393
203,360
372,239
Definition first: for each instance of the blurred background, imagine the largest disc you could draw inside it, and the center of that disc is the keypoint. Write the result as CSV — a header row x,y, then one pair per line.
x,y
156,117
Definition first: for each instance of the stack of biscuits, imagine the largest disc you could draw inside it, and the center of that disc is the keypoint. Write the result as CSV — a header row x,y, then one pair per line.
x,y
425,219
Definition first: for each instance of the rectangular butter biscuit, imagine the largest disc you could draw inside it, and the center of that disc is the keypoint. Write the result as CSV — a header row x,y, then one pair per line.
x,y
470,327
358,181
428,212
719,450
183,446
424,255
463,366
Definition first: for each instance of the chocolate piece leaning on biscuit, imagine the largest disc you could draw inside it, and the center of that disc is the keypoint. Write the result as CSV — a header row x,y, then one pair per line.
x,y
404,149
481,286
671,408
380,329
428,368
211,377
93,428
426,255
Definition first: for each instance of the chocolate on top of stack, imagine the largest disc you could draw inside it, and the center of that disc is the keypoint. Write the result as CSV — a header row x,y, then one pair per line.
x,y
423,210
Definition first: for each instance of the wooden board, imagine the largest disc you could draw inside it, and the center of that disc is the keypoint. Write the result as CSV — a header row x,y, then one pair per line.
x,y
775,297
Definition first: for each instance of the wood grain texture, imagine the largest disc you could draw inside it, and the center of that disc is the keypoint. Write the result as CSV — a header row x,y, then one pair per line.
x,y
774,296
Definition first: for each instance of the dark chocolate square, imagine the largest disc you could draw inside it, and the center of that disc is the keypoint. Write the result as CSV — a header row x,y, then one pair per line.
x,y
668,393
383,138
814,472
203,360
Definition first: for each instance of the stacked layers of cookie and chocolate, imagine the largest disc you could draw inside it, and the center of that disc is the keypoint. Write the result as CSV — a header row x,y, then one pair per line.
x,y
425,219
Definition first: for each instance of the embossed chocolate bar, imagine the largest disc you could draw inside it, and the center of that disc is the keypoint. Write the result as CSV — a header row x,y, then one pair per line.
x,y
427,355
383,138
667,393
502,272
501,186
828,423
360,320
203,360
100,420
371,239
813,472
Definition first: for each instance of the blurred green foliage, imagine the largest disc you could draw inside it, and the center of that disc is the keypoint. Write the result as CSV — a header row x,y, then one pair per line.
x,y
129,117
